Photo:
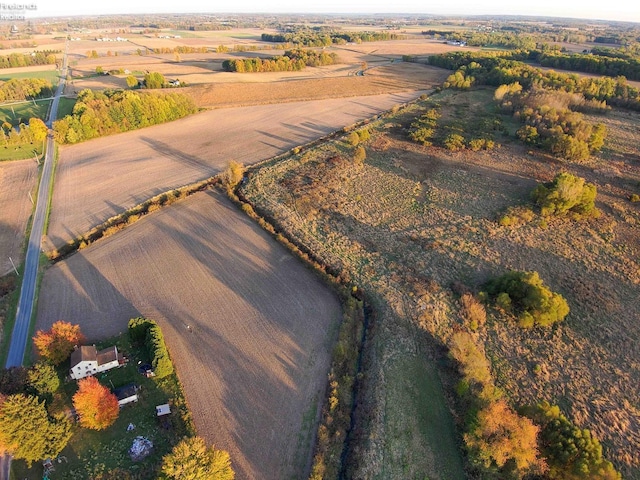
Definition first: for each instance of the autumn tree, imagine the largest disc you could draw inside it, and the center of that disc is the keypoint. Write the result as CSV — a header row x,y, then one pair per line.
x,y
233,174
154,80
38,129
502,440
27,431
56,344
191,459
97,407
43,378
131,81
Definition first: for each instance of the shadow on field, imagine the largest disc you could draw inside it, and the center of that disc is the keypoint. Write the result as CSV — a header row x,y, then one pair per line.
x,y
188,160
77,292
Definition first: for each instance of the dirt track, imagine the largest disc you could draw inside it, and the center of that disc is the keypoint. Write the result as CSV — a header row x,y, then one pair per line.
x,y
17,179
100,178
258,353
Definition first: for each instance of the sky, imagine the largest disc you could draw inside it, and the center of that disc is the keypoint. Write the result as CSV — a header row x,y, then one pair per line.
x,y
626,10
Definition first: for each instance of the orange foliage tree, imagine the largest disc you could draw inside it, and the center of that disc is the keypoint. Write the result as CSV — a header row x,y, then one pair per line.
x,y
56,344
97,407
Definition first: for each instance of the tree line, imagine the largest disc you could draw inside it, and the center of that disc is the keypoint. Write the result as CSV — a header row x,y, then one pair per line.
x,y
25,88
33,132
180,49
291,61
595,62
12,60
309,37
506,67
96,114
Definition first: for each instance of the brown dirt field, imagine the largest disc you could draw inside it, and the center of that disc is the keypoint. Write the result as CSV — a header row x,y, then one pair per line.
x,y
17,179
255,362
415,219
103,177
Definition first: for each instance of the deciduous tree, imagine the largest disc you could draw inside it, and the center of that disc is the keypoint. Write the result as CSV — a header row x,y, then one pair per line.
x,y
97,407
43,378
27,431
57,344
191,459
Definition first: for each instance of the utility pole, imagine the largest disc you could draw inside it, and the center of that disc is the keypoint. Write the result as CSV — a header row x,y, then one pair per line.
x,y
14,266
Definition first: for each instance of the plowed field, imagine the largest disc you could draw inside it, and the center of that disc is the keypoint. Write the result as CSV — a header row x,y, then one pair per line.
x,y
249,328
17,179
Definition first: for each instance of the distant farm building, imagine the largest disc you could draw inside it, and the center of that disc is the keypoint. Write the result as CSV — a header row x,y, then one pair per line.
x,y
86,361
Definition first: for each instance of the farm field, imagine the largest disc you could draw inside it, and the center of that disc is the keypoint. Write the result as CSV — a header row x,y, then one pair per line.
x,y
414,220
17,179
249,328
103,177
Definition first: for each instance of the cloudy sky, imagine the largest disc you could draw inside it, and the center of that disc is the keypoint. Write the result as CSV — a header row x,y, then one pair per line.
x,y
627,10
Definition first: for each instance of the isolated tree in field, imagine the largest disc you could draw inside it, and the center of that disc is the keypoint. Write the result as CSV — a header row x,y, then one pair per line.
x,y
154,80
56,344
502,439
532,301
566,194
191,459
43,378
132,81
27,431
99,70
97,407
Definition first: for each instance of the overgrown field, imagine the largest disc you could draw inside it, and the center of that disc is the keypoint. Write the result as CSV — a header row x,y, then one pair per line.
x,y
413,221
249,328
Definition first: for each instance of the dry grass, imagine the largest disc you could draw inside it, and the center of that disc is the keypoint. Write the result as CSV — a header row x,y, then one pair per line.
x,y
253,362
415,219
17,180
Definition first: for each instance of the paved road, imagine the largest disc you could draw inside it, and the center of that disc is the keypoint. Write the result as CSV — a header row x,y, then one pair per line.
x,y
28,290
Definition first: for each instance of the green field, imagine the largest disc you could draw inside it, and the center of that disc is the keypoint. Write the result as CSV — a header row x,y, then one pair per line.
x,y
65,107
51,75
19,152
21,112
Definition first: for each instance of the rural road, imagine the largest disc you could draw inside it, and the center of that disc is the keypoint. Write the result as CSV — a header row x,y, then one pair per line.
x,y
28,290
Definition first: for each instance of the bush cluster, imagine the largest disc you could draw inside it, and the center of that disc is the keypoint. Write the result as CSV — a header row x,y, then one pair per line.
x,y
566,194
525,294
291,61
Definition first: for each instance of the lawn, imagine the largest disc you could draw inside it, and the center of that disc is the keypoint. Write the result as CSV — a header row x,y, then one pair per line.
x,y
51,75
65,107
22,112
20,152
91,453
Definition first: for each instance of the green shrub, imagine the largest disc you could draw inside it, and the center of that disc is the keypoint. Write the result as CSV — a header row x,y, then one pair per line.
x,y
454,142
634,198
161,362
566,194
532,301
353,139
571,453
364,134
359,156
137,329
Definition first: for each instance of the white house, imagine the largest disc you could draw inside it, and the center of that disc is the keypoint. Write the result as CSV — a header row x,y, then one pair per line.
x,y
87,361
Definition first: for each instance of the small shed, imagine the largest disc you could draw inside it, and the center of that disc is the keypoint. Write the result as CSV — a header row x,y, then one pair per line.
x,y
163,409
126,394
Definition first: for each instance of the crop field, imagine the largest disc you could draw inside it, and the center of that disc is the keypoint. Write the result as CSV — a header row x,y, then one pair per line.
x,y
249,328
413,220
101,178
17,180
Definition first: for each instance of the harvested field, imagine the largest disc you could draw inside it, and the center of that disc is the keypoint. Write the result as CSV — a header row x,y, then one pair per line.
x,y
249,328
103,177
414,220
17,179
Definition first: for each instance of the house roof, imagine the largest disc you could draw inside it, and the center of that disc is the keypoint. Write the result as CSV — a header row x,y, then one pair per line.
x,y
107,355
84,353
163,409
89,353
126,391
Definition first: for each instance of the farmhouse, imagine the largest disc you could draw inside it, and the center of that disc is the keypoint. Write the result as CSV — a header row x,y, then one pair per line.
x,y
86,361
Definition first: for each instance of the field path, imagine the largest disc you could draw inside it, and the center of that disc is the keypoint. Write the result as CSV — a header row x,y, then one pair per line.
x,y
101,178
256,355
